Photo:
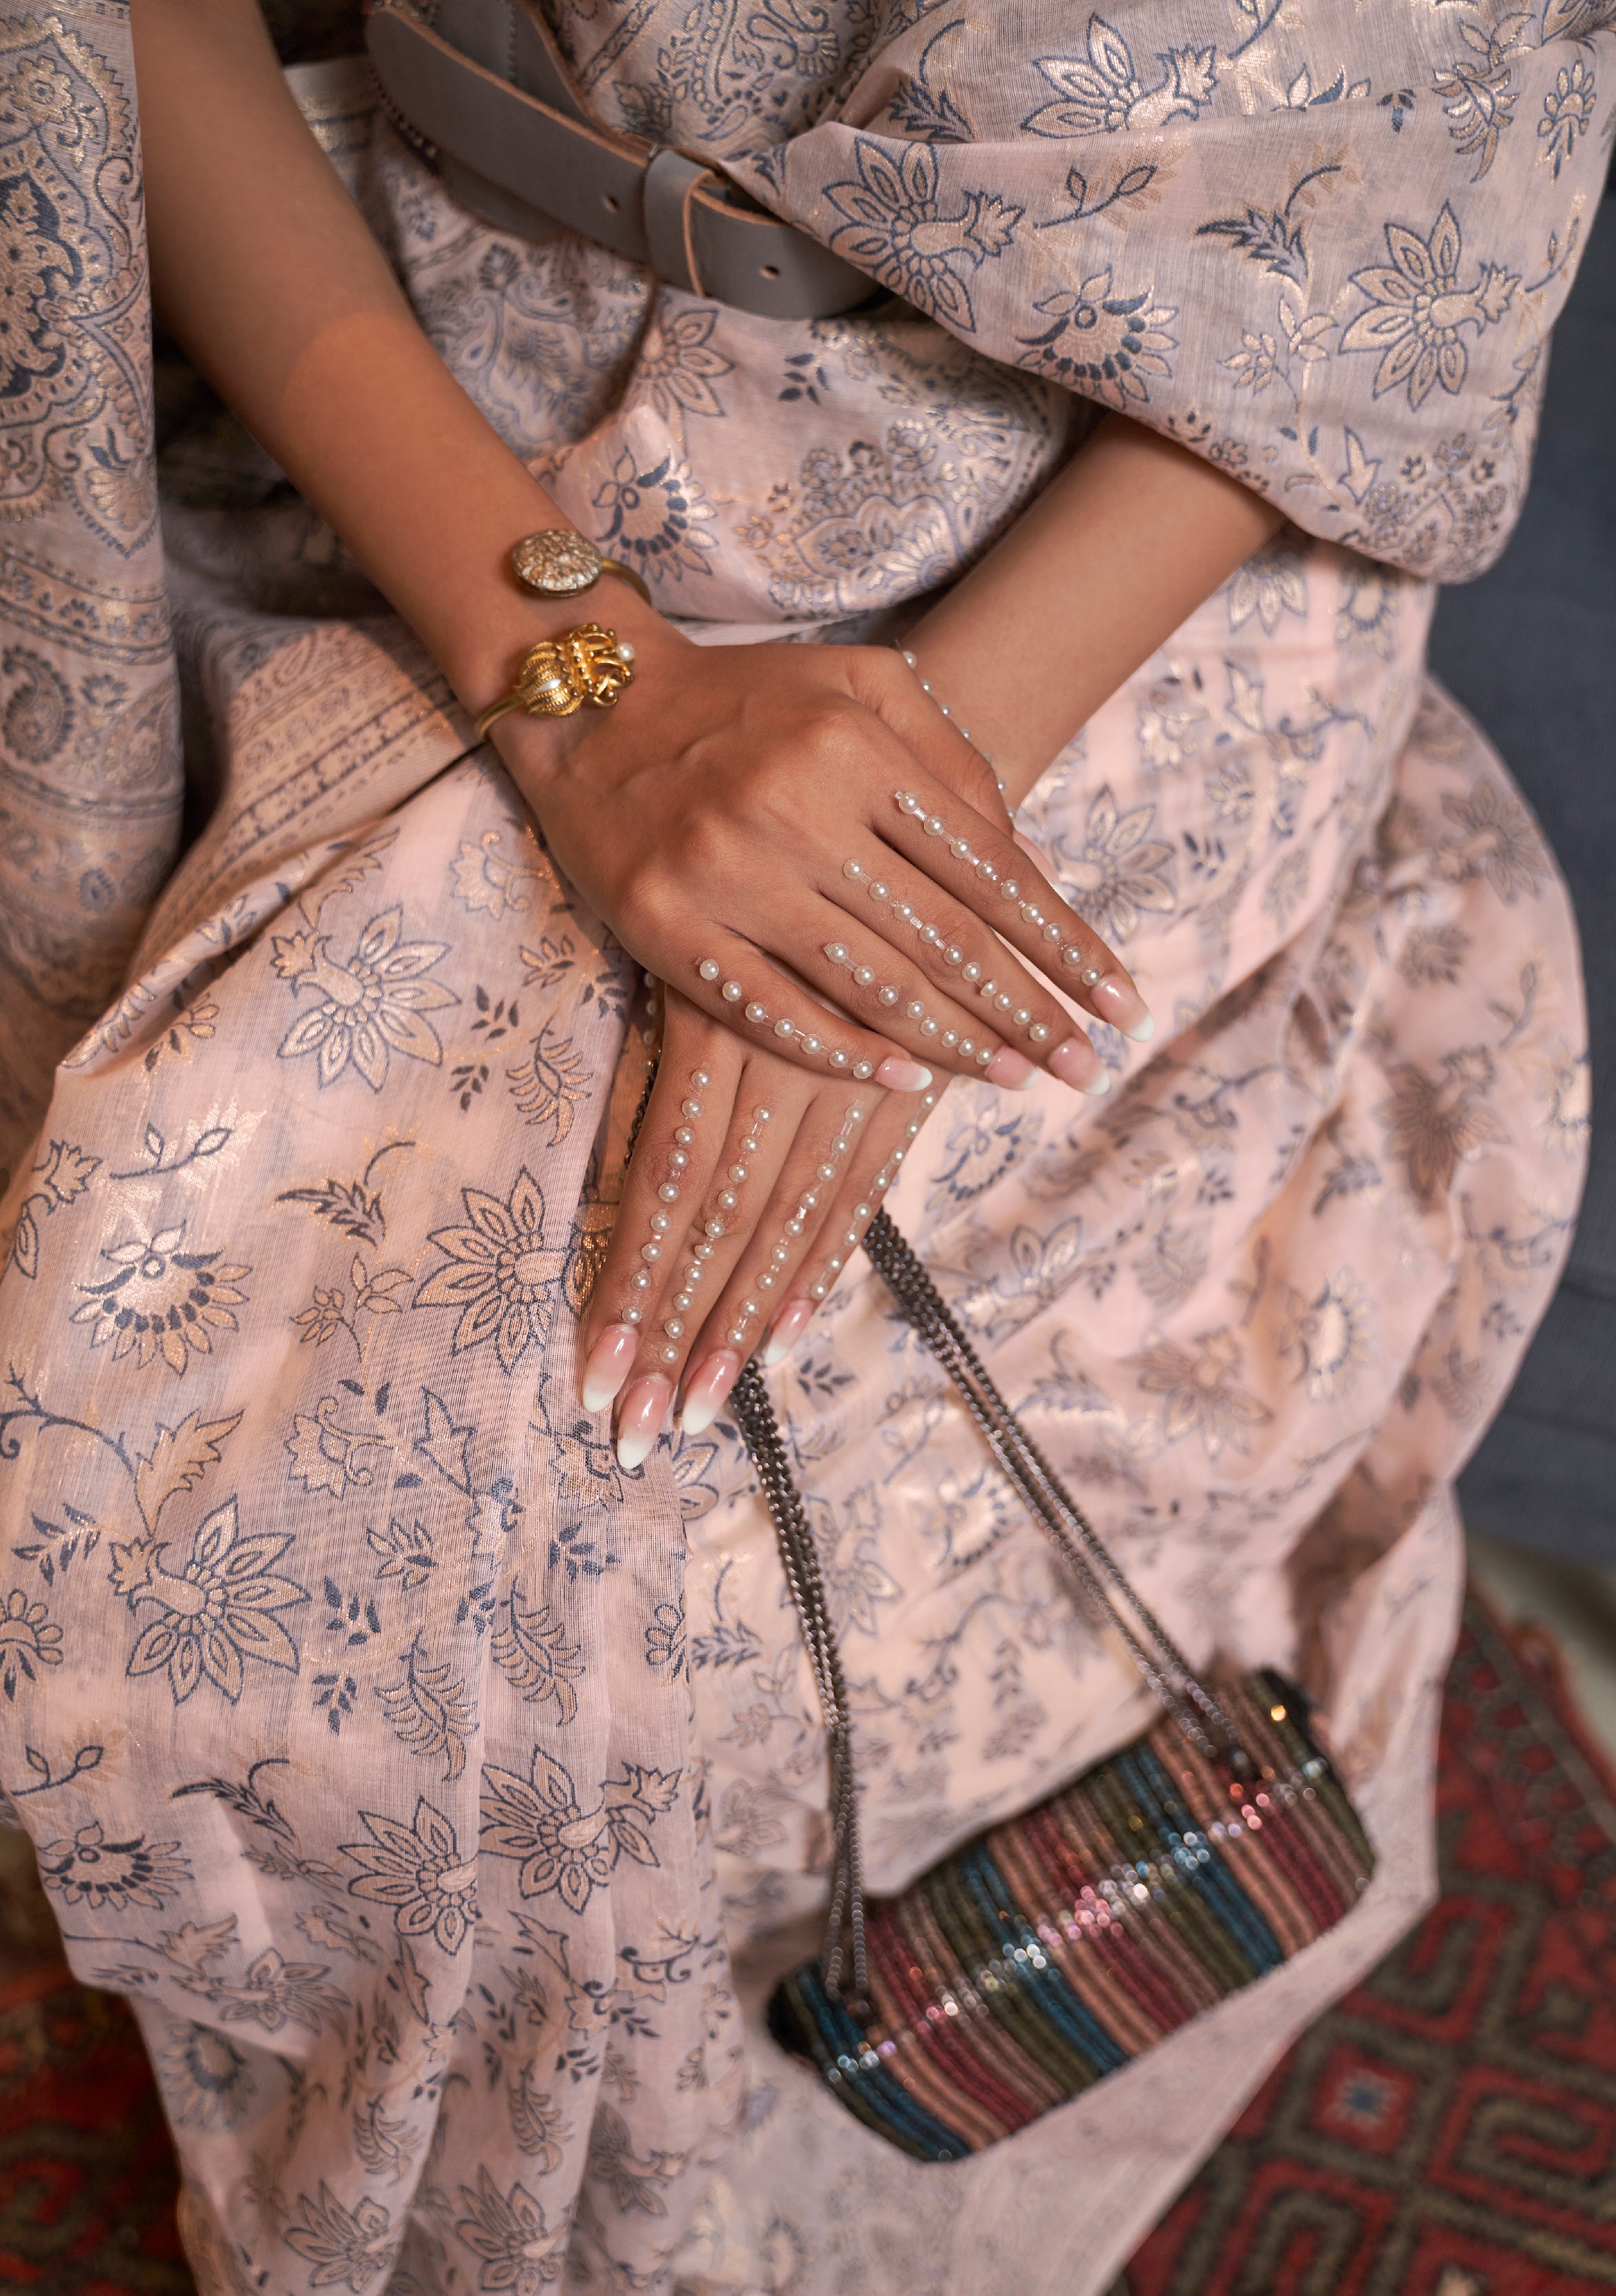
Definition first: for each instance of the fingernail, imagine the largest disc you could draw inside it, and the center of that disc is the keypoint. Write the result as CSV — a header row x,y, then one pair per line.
x,y
607,1365
705,1393
1076,1064
640,1420
788,1330
1119,1002
902,1076
1012,1070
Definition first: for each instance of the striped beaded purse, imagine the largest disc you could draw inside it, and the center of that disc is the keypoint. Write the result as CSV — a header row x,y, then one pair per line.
x,y
1063,1943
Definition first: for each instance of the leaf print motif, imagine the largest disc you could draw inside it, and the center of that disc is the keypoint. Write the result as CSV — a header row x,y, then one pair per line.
x,y
163,1302
508,2231
540,2129
1476,94
382,2141
1203,1397
895,228
500,1273
178,1459
532,1651
1417,309
418,1870
217,1611
549,1084
1435,1123
349,1205
562,1846
445,1443
348,2248
370,1007
430,1710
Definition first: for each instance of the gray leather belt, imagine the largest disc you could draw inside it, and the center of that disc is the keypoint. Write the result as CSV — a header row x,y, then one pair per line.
x,y
484,83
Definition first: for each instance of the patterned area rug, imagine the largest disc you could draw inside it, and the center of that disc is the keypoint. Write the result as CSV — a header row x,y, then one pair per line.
x,y
1448,2130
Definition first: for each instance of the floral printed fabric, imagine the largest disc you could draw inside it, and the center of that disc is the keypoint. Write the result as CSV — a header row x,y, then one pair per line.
x,y
440,1796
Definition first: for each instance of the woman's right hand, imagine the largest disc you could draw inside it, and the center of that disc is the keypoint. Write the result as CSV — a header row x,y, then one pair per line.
x,y
768,826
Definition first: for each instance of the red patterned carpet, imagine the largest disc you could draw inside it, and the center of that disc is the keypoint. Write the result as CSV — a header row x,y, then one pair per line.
x,y
1448,2130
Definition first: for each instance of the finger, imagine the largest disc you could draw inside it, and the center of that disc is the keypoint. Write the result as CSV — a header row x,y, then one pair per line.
x,y
974,1007
680,1138
739,988
993,877
792,1229
870,1170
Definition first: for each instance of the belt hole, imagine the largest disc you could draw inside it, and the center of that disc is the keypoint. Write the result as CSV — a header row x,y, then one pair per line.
x,y
611,200
770,270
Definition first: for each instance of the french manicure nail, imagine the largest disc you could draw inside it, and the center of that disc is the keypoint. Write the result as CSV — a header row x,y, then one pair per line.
x,y
1010,1069
607,1365
640,1420
704,1394
1118,1001
902,1076
1076,1064
788,1330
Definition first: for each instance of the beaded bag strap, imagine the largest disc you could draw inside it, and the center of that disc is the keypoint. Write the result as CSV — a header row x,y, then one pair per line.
x,y
1162,1665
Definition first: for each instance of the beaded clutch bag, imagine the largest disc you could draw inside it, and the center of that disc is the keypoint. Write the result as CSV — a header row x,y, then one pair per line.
x,y
1064,1943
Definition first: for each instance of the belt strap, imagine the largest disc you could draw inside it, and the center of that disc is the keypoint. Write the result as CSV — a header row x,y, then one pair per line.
x,y
527,164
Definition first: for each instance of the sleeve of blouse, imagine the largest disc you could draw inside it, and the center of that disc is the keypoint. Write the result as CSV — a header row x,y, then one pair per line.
x,y
1324,248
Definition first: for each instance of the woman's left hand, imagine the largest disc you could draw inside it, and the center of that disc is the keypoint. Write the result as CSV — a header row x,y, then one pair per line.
x,y
750,1183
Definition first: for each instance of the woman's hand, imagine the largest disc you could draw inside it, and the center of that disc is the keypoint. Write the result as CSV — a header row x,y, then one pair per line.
x,y
750,1183
777,829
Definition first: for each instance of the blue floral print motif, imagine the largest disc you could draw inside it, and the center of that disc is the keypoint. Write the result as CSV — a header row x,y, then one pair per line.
x,y
518,2249
501,1276
371,1006
1417,309
1568,112
1101,92
217,1610
1112,342
205,2078
28,1640
418,1870
162,1301
348,2247
657,519
564,1847
896,228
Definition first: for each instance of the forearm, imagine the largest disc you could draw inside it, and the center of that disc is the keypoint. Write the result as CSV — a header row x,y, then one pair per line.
x,y
265,272
1100,570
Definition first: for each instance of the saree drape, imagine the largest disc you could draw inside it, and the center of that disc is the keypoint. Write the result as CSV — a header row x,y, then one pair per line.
x,y
440,1795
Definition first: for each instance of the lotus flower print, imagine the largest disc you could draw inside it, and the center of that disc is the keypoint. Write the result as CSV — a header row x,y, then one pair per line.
x,y
371,1004
1418,310
501,1274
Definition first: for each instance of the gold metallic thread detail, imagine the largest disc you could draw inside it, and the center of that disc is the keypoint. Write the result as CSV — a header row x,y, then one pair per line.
x,y
558,675
559,562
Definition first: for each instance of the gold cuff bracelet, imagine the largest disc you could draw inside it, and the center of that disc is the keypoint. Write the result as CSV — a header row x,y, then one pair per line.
x,y
558,675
